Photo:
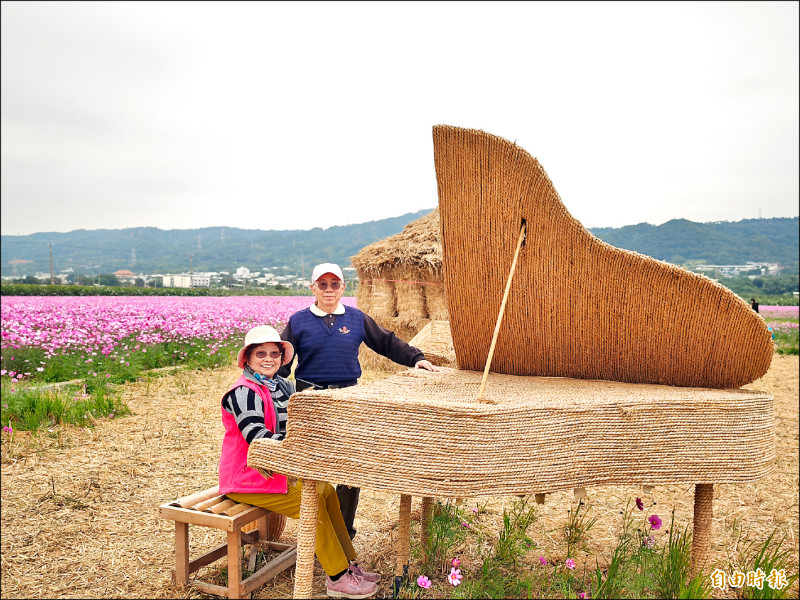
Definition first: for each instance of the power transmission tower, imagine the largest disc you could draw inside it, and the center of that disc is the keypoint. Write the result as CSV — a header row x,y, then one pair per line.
x,y
18,261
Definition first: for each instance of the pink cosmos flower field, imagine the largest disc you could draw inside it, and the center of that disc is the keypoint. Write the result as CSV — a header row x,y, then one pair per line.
x,y
779,312
782,319
62,324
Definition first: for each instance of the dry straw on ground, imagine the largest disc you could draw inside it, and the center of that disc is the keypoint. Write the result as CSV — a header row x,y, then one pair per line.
x,y
80,521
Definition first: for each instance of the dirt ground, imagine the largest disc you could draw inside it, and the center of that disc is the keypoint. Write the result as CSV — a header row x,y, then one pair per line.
x,y
79,509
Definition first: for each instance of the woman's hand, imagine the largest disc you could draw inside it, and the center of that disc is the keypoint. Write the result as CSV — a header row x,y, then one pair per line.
x,y
427,365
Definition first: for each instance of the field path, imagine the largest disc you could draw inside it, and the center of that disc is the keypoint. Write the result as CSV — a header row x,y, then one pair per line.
x,y
79,516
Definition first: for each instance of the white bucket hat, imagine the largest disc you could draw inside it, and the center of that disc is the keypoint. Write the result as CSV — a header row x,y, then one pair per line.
x,y
261,335
331,268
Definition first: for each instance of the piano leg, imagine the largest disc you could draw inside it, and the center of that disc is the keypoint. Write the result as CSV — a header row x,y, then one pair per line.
x,y
427,506
306,540
701,532
403,543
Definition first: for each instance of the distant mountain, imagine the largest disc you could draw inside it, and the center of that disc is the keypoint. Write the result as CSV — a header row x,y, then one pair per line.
x,y
719,243
151,250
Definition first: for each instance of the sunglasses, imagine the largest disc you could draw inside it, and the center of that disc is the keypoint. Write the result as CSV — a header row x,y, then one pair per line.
x,y
323,285
264,354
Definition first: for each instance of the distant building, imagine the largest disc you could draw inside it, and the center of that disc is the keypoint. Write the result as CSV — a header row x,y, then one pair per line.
x,y
45,277
268,279
201,280
125,275
177,281
734,270
185,280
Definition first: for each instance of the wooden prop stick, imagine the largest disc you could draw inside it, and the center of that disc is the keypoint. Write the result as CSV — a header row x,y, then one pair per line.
x,y
502,310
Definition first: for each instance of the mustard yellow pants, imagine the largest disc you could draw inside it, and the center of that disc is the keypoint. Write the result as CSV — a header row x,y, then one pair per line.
x,y
334,548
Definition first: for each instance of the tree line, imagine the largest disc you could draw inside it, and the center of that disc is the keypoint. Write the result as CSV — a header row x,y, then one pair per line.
x,y
152,250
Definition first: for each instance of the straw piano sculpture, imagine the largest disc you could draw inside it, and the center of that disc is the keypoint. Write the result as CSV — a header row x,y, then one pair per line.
x,y
591,349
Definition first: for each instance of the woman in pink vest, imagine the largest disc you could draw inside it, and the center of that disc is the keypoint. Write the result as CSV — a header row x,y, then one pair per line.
x,y
255,408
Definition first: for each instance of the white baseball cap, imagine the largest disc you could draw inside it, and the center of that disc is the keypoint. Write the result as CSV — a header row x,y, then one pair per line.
x,y
331,268
261,335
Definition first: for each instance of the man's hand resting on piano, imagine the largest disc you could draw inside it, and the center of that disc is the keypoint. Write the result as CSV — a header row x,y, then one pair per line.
x,y
427,365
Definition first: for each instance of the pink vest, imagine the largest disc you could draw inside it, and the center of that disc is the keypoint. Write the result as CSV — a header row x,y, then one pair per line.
x,y
234,474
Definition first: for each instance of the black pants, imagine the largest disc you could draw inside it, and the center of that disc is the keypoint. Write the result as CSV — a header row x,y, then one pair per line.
x,y
348,501
348,496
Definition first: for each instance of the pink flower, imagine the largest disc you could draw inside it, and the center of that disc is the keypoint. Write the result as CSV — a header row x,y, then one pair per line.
x,y
655,522
456,562
465,524
570,563
423,582
582,596
639,504
542,560
454,578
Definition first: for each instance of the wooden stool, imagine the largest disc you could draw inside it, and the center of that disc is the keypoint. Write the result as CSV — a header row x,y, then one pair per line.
x,y
210,509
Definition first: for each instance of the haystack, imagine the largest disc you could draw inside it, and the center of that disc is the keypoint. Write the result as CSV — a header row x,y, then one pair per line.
x,y
401,284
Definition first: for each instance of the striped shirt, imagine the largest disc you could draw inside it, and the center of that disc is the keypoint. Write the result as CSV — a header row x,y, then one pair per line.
x,y
248,410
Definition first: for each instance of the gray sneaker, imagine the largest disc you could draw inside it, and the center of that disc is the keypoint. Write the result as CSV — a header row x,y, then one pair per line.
x,y
350,586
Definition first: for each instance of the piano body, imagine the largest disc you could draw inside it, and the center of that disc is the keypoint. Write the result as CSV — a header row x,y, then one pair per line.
x,y
599,349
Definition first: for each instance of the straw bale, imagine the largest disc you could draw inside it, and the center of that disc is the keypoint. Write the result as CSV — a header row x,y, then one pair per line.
x,y
364,297
87,509
410,296
577,307
417,247
436,342
398,274
398,326
381,298
581,433
436,302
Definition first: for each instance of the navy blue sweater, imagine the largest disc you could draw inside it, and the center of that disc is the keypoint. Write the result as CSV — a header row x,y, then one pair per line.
x,y
327,347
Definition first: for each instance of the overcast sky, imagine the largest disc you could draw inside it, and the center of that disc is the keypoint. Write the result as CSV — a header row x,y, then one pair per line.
x,y
298,115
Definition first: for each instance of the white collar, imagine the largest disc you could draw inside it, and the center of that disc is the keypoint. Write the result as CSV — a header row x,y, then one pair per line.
x,y
339,310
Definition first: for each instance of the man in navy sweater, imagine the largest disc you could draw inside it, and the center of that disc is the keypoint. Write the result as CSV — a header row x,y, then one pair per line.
x,y
326,338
